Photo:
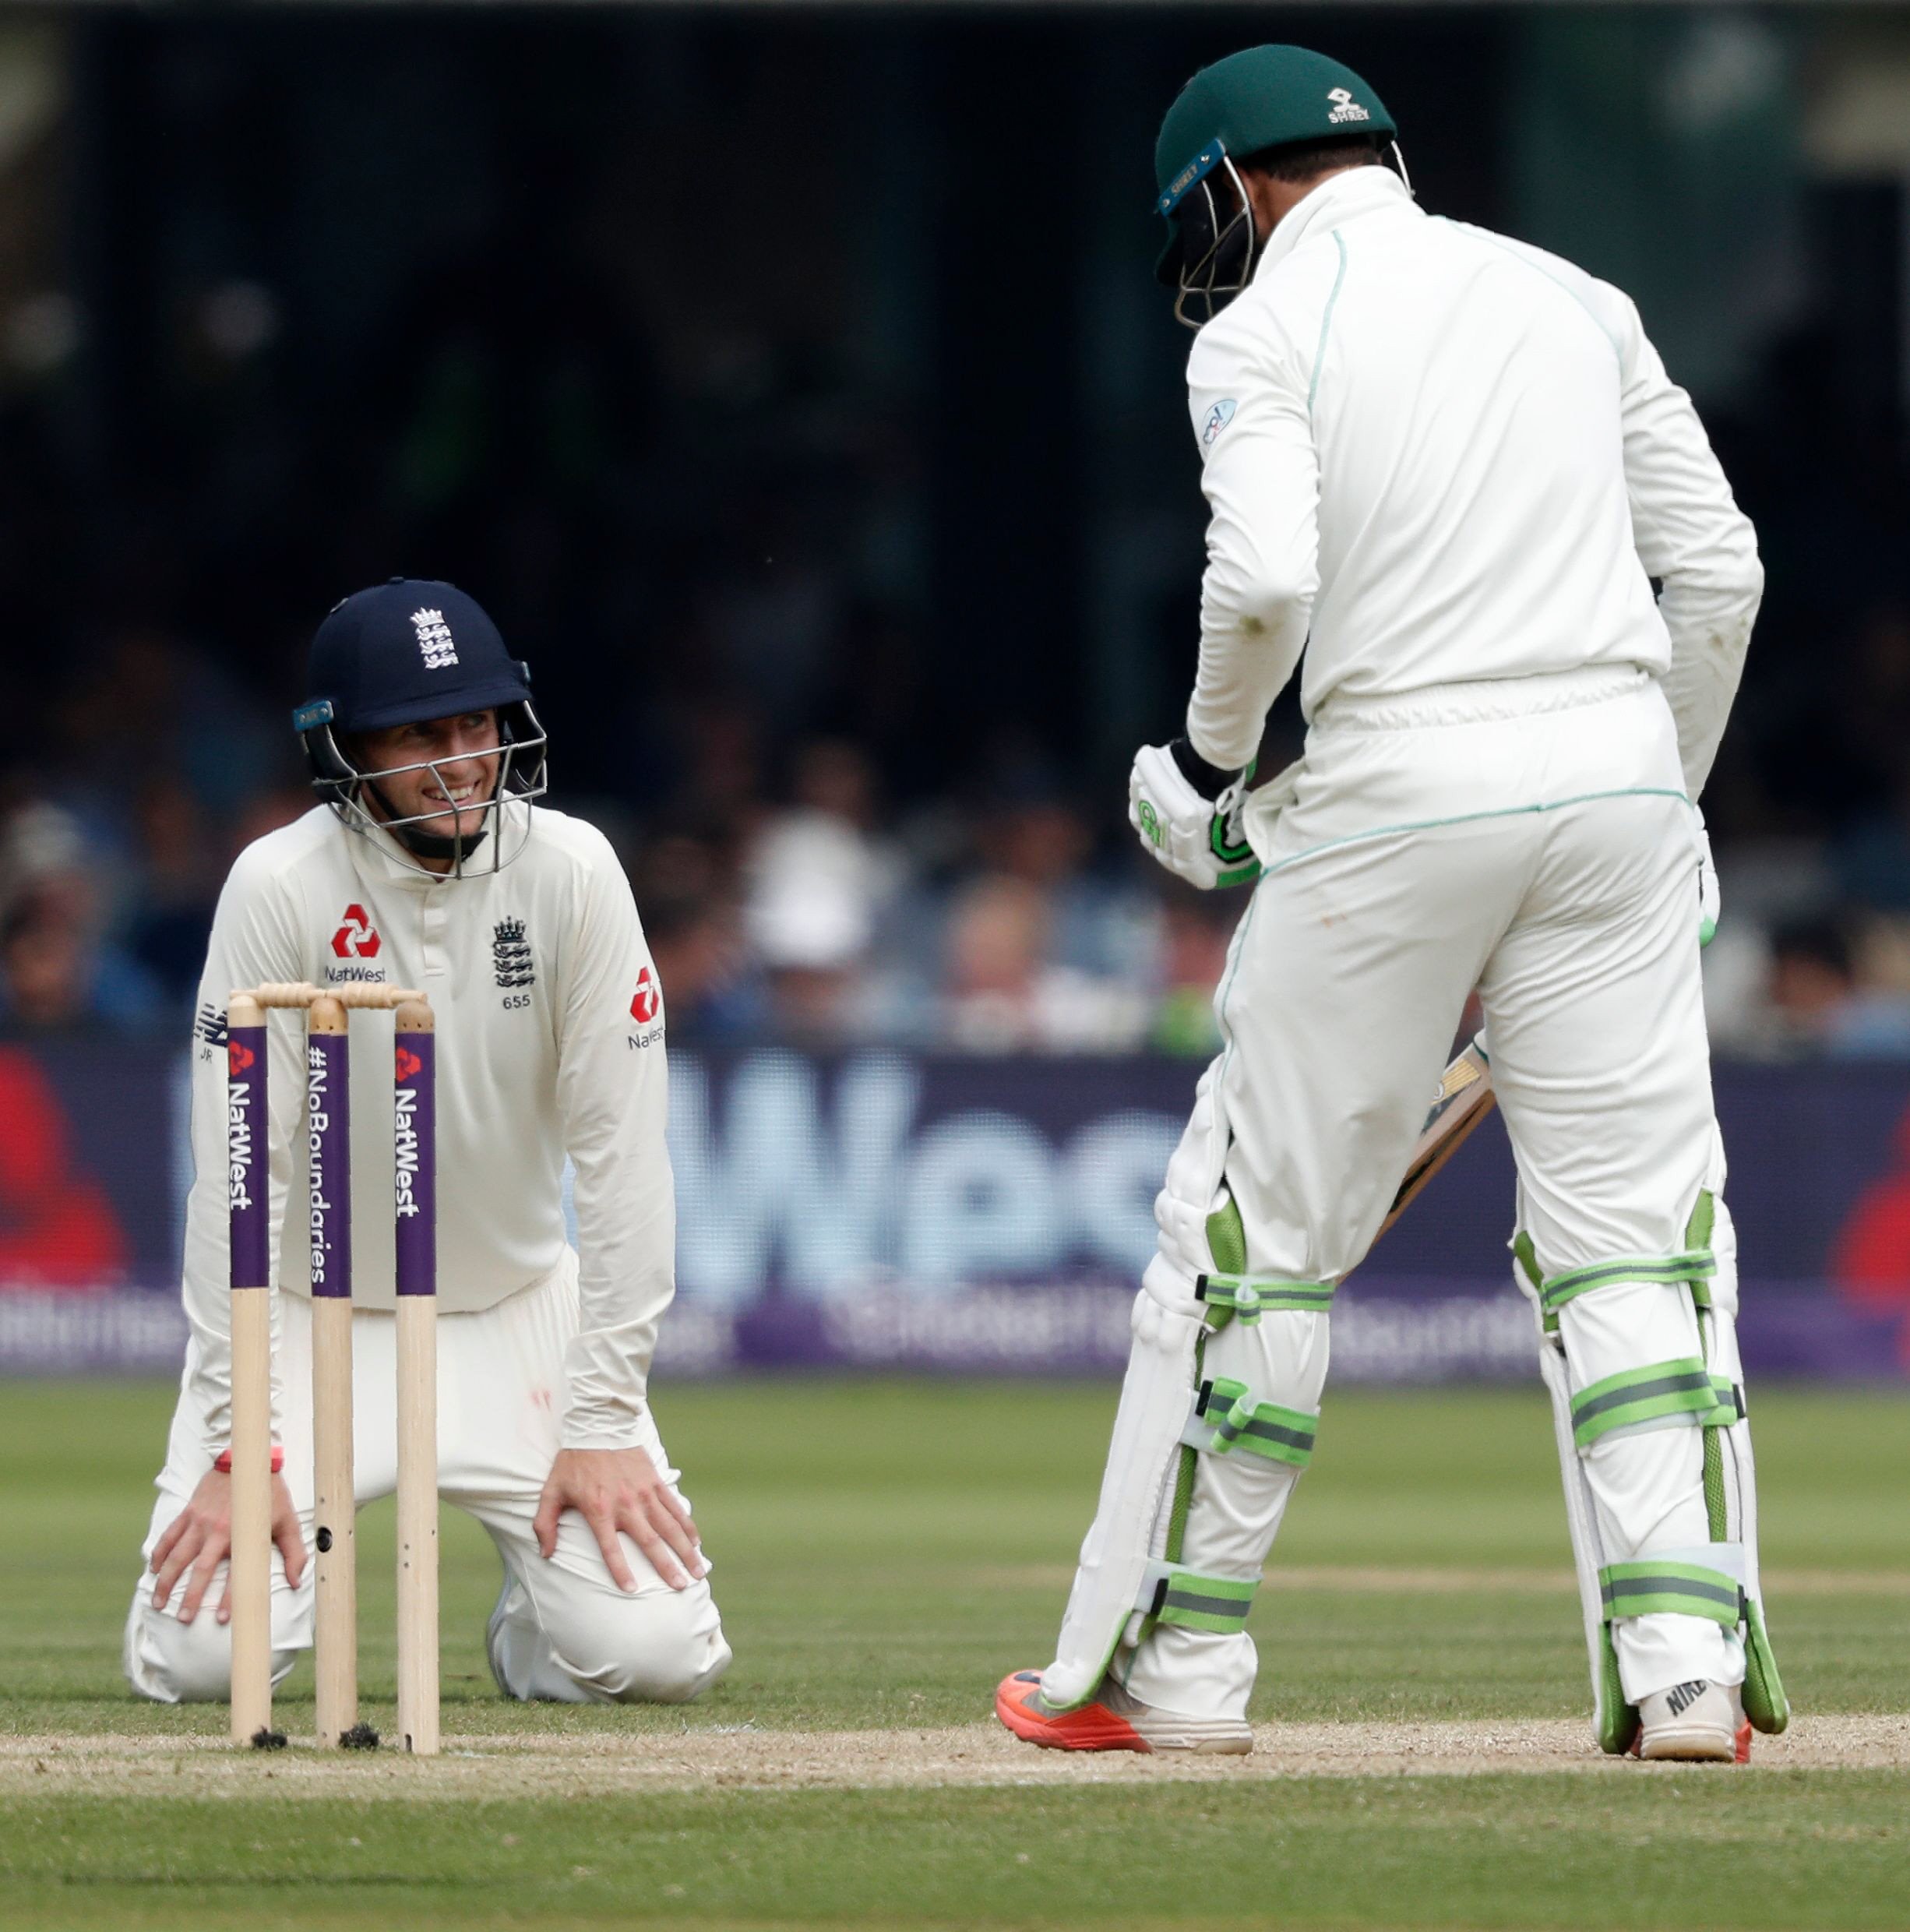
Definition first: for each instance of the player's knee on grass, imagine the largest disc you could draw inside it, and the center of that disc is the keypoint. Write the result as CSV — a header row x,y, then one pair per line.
x,y
661,1647
172,1662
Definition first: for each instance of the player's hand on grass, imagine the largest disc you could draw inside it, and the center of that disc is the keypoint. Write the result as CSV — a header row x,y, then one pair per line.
x,y
1188,814
199,1538
614,1490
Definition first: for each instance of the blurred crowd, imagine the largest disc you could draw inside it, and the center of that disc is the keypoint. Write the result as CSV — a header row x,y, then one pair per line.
x,y
1813,954
783,895
737,519
786,896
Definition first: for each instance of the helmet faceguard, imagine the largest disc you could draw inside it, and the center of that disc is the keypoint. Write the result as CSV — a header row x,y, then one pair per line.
x,y
1216,243
1216,246
354,792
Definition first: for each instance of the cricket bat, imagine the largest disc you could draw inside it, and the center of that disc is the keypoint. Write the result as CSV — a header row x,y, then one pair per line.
x,y
1464,1098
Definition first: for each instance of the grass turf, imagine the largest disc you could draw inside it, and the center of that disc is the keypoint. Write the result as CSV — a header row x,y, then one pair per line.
x,y
885,1551
1568,1852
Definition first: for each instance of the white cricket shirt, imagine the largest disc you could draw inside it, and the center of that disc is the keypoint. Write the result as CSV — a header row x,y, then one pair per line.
x,y
1435,456
550,1040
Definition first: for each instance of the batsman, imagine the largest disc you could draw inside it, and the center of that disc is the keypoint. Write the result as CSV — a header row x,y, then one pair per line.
x,y
1446,470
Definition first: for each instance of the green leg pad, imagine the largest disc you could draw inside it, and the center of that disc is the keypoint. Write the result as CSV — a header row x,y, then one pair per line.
x,y
1184,1474
1765,1704
1229,1291
1662,1391
1227,1408
1217,1604
1692,1269
1648,1587
1526,1255
1251,1296
1227,1238
1618,1721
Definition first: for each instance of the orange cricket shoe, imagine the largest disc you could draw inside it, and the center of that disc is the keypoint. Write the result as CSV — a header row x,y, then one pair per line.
x,y
1114,1721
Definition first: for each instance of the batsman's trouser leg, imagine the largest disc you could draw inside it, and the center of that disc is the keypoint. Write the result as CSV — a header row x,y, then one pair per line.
x,y
1236,1502
1345,982
1596,1022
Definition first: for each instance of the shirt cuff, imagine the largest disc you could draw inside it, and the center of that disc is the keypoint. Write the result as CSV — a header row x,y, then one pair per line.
x,y
591,1429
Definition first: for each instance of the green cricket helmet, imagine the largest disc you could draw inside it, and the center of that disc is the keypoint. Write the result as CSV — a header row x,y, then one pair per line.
x,y
1262,98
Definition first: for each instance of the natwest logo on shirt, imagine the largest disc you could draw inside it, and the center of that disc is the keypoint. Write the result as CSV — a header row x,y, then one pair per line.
x,y
357,938
649,1000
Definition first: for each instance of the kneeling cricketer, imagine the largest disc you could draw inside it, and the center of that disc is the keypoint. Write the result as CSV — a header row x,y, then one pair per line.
x,y
429,865
1447,466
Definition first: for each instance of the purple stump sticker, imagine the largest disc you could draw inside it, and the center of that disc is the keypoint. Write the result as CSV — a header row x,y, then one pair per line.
x,y
328,1128
248,1190
414,1138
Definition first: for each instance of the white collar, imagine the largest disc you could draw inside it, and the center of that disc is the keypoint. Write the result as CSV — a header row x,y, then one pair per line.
x,y
1342,197
380,861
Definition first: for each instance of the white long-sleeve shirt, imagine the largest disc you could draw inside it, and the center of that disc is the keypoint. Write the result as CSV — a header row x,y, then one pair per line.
x,y
1432,455
549,1029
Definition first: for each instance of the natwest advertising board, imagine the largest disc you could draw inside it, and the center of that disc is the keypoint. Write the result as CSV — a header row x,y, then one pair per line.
x,y
887,1210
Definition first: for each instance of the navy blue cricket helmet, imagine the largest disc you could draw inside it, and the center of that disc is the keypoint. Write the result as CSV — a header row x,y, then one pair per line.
x,y
403,652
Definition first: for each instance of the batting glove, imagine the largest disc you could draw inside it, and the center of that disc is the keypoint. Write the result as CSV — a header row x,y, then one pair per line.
x,y
1188,813
1709,900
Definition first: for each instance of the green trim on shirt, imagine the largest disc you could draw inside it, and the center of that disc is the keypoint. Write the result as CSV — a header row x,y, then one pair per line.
x,y
1326,320
1468,818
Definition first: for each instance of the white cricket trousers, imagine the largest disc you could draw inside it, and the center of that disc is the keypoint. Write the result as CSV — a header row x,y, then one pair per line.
x,y
1531,838
562,1629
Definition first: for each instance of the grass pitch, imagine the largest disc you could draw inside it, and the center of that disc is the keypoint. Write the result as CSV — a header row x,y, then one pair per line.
x,y
884,1552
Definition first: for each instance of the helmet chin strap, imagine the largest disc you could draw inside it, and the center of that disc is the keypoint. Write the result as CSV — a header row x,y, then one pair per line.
x,y
420,844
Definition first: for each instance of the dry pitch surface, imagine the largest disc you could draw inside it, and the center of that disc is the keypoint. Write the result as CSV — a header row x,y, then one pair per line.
x,y
744,1758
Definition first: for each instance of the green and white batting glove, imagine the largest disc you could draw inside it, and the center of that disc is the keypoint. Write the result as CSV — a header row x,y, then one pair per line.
x,y
1188,813
1709,900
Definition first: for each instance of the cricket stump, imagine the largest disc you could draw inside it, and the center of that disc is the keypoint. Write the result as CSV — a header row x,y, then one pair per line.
x,y
414,1142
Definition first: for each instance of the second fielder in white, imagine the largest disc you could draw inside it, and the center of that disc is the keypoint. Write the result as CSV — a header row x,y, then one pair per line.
x,y
1448,465
430,866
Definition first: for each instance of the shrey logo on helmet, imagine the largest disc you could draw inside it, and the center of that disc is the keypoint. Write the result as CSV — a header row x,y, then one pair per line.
x,y
1344,107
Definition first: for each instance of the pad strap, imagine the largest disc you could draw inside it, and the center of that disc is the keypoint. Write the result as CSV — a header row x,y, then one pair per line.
x,y
1650,1585
1225,1417
1172,1595
1681,1391
1692,1269
1250,1297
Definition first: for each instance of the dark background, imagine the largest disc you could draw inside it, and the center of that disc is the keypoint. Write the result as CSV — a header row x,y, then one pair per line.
x,y
791,385
788,378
